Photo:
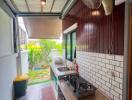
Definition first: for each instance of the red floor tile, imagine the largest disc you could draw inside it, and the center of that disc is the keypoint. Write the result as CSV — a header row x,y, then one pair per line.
x,y
40,92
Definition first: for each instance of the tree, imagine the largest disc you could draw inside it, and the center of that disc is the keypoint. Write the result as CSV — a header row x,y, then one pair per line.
x,y
39,51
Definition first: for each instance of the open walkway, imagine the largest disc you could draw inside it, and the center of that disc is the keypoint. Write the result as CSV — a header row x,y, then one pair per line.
x,y
40,92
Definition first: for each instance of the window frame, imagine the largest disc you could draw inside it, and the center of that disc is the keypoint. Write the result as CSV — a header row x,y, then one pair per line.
x,y
71,44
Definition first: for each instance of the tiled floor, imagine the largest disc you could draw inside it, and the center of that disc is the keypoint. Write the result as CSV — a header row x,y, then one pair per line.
x,y
40,92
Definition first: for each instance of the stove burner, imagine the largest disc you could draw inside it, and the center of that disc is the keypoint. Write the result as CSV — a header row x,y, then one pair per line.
x,y
81,87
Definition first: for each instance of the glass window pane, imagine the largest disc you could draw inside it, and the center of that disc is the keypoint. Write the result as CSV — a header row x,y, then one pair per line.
x,y
73,44
64,42
68,47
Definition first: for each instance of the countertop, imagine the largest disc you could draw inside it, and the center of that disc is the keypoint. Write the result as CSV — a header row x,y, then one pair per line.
x,y
69,95
67,90
59,73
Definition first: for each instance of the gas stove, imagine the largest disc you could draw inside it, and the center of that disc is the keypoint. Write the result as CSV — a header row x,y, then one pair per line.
x,y
81,87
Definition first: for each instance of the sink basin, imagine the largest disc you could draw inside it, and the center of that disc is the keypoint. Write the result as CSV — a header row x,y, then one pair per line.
x,y
63,69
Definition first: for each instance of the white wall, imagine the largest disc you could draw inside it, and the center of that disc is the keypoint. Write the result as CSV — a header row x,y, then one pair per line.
x,y
7,75
7,57
5,34
100,69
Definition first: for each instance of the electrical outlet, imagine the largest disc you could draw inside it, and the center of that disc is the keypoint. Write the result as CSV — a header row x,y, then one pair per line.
x,y
113,74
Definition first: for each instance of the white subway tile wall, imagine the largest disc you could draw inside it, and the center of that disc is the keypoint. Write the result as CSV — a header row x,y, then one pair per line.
x,y
105,71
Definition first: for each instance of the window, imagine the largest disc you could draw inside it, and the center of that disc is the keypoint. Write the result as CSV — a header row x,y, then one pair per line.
x,y
74,45
70,45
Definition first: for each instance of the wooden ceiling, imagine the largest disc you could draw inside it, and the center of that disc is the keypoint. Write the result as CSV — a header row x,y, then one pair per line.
x,y
33,6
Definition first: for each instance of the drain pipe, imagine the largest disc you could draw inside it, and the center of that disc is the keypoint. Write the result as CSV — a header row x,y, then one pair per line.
x,y
19,66
67,8
126,47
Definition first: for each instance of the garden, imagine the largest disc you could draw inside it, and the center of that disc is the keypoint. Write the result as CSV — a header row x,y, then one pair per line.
x,y
40,58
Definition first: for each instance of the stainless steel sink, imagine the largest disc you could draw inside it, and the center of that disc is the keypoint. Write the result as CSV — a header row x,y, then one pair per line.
x,y
63,69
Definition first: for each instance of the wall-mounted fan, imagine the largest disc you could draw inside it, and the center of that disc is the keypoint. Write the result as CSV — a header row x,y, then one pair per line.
x,y
108,6
95,4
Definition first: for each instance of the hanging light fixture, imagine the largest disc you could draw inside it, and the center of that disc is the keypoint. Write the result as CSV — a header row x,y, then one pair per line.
x,y
95,13
43,2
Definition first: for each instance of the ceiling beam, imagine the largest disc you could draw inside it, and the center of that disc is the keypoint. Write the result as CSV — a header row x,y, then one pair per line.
x,y
67,8
27,5
41,8
12,4
38,14
7,8
65,5
52,5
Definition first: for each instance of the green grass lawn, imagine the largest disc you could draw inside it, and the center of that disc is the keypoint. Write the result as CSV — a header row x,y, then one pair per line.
x,y
39,76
